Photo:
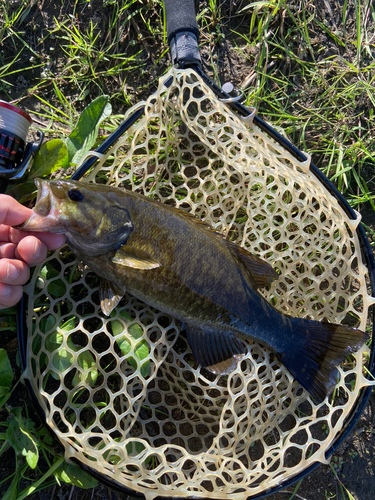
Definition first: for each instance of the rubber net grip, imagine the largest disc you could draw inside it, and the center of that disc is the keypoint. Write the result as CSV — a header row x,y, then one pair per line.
x,y
180,16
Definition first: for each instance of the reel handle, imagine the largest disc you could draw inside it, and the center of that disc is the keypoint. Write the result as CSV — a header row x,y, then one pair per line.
x,y
183,32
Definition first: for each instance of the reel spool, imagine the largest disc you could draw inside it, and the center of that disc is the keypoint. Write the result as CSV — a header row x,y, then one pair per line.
x,y
15,154
14,126
124,395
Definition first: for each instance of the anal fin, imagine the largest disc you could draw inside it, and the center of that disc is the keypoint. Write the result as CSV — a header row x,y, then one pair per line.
x,y
219,353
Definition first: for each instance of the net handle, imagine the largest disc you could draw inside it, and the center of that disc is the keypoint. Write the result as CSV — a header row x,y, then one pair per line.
x,y
180,17
182,32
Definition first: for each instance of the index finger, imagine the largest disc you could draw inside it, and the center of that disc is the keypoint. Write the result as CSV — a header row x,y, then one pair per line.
x,y
13,235
12,212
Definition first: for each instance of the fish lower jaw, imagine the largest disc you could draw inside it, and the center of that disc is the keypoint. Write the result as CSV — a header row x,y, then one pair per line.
x,y
39,223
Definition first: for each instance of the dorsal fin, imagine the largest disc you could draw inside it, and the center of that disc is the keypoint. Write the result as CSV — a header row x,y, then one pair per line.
x,y
261,272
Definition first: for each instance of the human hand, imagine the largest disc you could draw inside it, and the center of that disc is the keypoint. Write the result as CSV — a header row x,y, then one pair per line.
x,y
19,250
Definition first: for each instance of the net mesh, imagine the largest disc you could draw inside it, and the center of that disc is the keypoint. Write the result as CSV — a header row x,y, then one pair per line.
x,y
123,393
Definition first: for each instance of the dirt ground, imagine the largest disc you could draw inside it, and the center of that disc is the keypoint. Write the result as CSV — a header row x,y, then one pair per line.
x,y
354,461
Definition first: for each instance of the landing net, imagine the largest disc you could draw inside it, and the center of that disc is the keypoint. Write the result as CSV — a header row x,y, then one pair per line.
x,y
124,394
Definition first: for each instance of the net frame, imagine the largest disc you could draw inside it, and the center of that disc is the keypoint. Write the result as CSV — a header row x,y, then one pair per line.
x,y
356,408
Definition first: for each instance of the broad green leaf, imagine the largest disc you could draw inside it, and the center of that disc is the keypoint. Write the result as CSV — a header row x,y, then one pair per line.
x,y
68,325
20,435
56,288
22,190
45,436
3,391
90,374
72,474
5,395
49,271
6,377
135,331
6,372
117,326
86,360
112,458
141,349
55,339
51,156
62,360
124,345
136,446
36,344
12,492
144,367
83,137
32,458
47,324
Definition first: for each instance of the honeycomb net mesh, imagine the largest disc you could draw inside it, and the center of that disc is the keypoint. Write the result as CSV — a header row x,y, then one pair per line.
x,y
123,393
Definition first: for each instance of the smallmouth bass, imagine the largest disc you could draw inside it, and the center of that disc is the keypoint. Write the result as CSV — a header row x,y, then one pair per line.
x,y
179,265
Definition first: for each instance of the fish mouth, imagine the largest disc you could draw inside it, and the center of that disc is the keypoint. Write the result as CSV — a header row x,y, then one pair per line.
x,y
45,215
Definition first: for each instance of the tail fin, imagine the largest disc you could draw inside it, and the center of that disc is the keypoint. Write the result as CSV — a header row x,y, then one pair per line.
x,y
316,350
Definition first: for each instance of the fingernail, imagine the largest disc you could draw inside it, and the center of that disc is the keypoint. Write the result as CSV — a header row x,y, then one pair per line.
x,y
12,272
5,290
37,249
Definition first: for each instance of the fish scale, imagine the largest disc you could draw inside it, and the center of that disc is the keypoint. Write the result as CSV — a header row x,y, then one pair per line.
x,y
190,254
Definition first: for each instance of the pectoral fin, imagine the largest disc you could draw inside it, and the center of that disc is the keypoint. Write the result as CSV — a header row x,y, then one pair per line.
x,y
135,258
110,295
219,353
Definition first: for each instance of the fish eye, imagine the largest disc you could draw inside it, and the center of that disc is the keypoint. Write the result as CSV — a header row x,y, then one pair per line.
x,y
75,195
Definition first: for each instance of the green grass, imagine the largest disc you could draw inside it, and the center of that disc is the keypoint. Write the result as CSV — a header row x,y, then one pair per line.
x,y
323,99
309,73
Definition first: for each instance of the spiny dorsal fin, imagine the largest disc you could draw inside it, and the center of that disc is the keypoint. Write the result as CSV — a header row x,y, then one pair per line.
x,y
219,353
136,258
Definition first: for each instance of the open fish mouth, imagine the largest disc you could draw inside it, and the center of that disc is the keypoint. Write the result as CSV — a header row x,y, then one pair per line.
x,y
45,215
43,200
